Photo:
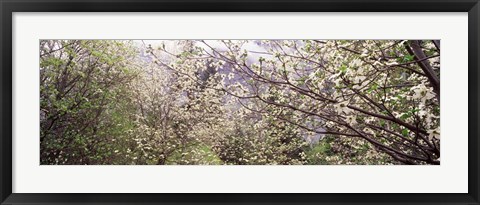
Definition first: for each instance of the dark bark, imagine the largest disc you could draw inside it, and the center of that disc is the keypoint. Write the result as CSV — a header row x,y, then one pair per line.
x,y
415,49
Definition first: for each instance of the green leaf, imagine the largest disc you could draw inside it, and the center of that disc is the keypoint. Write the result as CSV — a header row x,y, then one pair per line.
x,y
409,58
343,68
405,116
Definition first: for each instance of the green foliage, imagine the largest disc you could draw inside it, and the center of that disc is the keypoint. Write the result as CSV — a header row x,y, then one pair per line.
x,y
340,150
406,59
81,88
194,153
280,144
317,153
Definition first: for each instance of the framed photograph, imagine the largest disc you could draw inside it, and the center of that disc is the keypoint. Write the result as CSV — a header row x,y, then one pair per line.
x,y
239,102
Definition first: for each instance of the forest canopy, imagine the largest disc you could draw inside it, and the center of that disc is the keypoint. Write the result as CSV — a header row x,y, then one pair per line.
x,y
239,102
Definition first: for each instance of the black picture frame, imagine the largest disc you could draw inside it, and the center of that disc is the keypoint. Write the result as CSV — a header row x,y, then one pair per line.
x,y
7,8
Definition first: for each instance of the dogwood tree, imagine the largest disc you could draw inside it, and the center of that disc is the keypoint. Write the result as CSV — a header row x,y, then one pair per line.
x,y
384,93
80,82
